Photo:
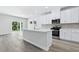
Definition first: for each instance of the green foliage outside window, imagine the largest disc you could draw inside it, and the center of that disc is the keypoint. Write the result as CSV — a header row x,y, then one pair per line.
x,y
16,26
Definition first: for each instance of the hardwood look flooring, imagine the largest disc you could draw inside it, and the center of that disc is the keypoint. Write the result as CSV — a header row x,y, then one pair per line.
x,y
10,43
64,46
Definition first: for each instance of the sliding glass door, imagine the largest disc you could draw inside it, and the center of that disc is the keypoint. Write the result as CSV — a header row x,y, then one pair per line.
x,y
16,26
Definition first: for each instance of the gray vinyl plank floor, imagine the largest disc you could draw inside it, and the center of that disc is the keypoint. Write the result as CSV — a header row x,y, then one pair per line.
x,y
11,43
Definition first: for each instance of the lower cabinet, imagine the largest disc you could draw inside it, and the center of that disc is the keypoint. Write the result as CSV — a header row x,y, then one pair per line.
x,y
75,35
69,34
65,34
62,34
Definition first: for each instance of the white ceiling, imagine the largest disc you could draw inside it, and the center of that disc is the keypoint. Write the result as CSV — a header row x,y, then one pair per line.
x,y
27,11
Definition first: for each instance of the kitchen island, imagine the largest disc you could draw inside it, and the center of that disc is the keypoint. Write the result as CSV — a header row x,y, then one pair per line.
x,y
41,38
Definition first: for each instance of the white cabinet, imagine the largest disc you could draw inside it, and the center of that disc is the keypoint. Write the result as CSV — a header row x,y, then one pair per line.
x,y
62,34
45,19
39,38
62,17
66,16
75,35
65,34
70,15
75,15
69,34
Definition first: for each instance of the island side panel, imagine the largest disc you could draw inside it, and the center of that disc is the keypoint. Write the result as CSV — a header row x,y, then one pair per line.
x,y
36,38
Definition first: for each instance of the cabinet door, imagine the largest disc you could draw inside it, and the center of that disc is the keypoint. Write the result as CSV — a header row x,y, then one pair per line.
x,y
65,34
75,15
48,19
43,19
61,33
75,35
66,16
62,17
68,34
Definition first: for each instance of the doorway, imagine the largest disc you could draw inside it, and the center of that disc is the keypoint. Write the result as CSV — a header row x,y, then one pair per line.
x,y
17,28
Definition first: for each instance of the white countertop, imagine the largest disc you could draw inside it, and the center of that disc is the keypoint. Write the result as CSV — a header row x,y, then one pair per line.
x,y
38,30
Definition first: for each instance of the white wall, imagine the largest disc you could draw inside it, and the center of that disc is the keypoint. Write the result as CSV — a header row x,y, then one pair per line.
x,y
30,26
6,23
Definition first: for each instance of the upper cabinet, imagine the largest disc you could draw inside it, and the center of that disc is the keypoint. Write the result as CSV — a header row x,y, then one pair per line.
x,y
66,16
70,15
44,19
75,15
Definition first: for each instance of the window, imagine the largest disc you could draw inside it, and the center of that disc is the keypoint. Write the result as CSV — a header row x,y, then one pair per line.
x,y
15,26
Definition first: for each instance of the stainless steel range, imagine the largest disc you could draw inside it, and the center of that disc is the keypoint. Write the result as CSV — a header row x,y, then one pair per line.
x,y
56,29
